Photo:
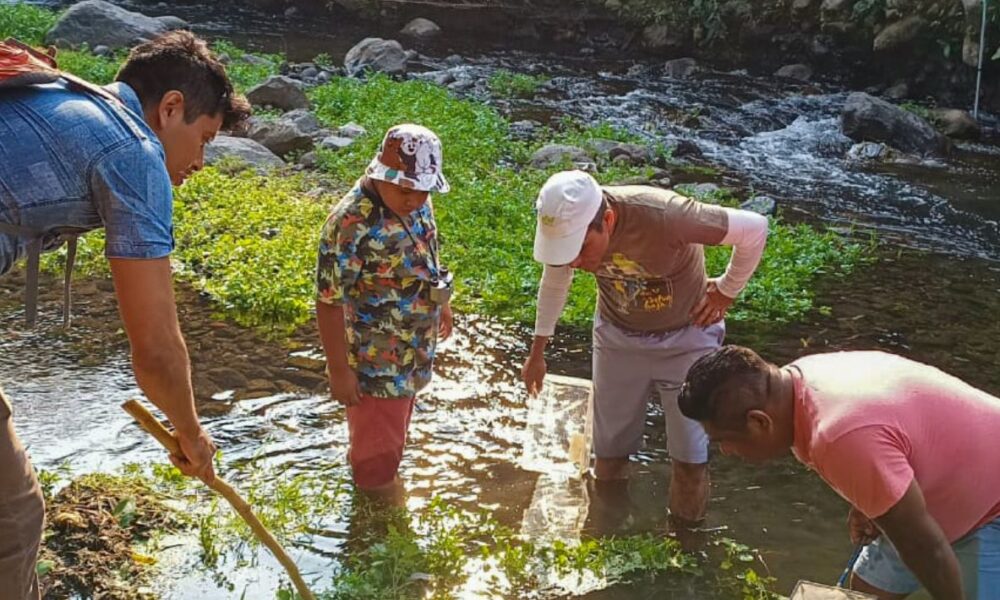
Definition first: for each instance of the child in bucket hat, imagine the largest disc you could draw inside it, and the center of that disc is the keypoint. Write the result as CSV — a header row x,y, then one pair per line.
x,y
383,300
410,157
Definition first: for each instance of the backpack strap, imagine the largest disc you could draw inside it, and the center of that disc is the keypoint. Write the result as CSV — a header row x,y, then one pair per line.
x,y
33,248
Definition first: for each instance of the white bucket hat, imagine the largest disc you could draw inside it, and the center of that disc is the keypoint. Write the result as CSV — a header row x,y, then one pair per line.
x,y
566,205
410,157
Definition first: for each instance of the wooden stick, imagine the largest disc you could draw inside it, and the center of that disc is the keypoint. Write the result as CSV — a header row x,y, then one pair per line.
x,y
150,423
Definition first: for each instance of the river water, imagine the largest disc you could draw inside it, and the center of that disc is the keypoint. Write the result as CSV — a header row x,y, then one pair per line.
x,y
934,295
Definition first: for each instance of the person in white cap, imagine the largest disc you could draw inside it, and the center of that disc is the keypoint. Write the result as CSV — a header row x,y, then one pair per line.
x,y
383,300
657,313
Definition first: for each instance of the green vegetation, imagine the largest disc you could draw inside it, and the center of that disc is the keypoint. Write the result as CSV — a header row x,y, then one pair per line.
x,y
247,69
434,551
26,22
515,85
249,240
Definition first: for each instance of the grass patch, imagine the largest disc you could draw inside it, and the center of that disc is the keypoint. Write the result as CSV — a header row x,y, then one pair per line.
x,y
508,84
26,22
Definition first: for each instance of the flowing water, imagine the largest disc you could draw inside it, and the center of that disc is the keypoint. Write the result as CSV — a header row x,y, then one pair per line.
x,y
933,295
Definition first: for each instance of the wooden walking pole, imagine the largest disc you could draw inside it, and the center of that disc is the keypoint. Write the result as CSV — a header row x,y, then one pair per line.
x,y
162,435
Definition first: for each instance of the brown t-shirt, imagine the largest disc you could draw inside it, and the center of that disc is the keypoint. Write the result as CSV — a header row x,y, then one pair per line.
x,y
653,272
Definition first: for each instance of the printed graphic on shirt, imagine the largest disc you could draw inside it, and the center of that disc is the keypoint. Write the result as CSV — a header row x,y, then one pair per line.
x,y
370,264
633,288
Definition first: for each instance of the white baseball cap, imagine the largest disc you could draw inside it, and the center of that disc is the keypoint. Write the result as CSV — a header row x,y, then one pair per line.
x,y
566,205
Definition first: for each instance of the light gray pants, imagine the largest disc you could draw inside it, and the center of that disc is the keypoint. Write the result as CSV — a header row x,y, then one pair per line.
x,y
22,514
627,367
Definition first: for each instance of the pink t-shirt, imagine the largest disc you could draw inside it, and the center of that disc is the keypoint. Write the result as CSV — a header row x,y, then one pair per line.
x,y
869,423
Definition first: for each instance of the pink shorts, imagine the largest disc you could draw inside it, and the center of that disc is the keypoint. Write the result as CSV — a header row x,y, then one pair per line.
x,y
377,429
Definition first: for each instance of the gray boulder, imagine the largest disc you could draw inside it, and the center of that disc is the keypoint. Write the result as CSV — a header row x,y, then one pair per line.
x,y
244,149
555,154
680,68
421,29
956,123
335,142
281,92
173,22
798,72
899,34
303,119
376,54
866,118
763,205
351,130
99,23
281,136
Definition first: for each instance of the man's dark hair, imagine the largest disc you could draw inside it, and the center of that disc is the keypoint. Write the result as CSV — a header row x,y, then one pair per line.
x,y
723,386
181,61
597,223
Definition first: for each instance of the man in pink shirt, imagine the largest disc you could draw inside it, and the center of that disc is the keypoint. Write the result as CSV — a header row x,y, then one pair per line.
x,y
914,450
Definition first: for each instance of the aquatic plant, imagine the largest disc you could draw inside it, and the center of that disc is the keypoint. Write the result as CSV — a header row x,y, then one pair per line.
x,y
508,84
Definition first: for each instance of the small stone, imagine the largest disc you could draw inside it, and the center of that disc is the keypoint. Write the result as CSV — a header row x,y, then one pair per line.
x,y
336,142
309,72
351,130
227,378
323,77
798,72
101,51
309,160
763,205
307,363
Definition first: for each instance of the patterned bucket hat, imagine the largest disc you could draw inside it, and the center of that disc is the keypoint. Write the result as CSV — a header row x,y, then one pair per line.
x,y
410,157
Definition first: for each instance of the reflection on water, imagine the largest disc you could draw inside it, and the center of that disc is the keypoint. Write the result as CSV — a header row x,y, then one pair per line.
x,y
466,435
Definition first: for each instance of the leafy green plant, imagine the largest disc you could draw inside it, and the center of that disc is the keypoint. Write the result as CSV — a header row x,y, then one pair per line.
x,y
515,85
26,22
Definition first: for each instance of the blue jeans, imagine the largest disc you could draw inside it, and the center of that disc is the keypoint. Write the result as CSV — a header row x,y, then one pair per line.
x,y
978,556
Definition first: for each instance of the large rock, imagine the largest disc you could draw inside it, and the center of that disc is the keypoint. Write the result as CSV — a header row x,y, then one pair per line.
x,y
866,118
421,29
304,120
799,72
376,54
173,22
555,154
956,123
281,136
899,34
247,150
99,23
281,92
680,68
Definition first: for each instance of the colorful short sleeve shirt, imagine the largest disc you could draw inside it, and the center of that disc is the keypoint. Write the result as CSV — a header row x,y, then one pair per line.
x,y
369,264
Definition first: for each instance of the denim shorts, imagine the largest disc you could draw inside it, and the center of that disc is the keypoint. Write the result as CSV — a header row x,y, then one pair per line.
x,y
978,556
